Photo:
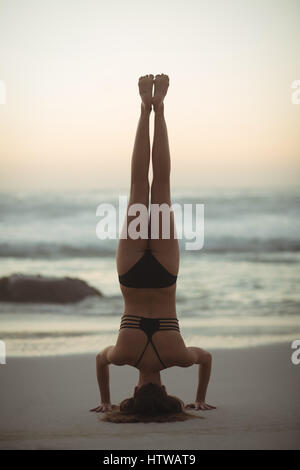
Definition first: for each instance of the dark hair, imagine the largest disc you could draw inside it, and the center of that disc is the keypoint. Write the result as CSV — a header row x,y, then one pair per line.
x,y
149,403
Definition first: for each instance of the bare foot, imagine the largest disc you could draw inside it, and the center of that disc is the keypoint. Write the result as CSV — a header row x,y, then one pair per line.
x,y
145,88
161,85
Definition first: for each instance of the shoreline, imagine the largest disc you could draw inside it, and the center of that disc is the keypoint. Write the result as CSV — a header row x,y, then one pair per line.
x,y
44,404
211,349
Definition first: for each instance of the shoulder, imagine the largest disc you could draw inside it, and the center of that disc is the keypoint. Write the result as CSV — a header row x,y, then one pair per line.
x,y
118,357
198,355
183,359
193,355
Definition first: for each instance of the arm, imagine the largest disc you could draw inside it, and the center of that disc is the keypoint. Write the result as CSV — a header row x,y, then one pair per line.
x,y
204,359
102,370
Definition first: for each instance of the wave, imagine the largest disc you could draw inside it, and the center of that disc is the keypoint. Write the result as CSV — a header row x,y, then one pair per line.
x,y
108,249
50,250
47,334
61,205
251,245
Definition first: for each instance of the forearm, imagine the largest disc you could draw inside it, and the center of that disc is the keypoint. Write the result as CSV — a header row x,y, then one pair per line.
x,y
203,380
103,382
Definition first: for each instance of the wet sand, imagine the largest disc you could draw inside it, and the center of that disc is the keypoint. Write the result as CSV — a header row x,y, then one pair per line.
x,y
44,404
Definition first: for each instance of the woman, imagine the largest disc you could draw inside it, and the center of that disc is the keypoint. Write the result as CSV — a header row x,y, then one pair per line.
x,y
149,337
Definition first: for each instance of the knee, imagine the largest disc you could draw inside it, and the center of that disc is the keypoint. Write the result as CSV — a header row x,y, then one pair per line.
x,y
139,186
160,192
161,180
160,186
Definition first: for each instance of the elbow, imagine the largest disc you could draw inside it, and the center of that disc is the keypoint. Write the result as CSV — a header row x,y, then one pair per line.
x,y
207,358
99,358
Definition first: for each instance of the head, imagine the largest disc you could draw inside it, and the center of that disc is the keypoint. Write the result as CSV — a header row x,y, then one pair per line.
x,y
151,399
149,403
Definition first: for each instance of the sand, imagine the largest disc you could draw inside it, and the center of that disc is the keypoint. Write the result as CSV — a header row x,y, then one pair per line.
x,y
44,404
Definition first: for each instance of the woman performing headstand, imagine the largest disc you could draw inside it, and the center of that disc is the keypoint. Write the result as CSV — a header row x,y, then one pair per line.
x,y
149,337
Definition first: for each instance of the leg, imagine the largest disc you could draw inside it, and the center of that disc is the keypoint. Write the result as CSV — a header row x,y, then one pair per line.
x,y
165,250
130,250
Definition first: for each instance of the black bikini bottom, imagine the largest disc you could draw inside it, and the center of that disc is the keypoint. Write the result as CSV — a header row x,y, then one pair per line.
x,y
149,326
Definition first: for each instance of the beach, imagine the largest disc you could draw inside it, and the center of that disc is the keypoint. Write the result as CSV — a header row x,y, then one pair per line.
x,y
238,297
45,402
240,290
201,121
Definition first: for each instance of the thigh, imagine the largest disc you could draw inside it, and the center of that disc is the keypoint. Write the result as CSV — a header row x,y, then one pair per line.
x,y
166,250
130,250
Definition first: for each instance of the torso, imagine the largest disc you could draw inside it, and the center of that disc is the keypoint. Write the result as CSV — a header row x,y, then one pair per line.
x,y
151,303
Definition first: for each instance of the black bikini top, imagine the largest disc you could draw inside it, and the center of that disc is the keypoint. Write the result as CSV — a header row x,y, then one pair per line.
x,y
147,273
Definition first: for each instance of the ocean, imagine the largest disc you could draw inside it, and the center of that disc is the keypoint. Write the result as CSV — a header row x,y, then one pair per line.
x,y
240,290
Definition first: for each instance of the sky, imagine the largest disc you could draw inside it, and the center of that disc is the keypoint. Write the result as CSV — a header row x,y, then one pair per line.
x,y
71,69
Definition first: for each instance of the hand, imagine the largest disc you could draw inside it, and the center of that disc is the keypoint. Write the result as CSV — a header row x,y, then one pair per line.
x,y
200,405
103,408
